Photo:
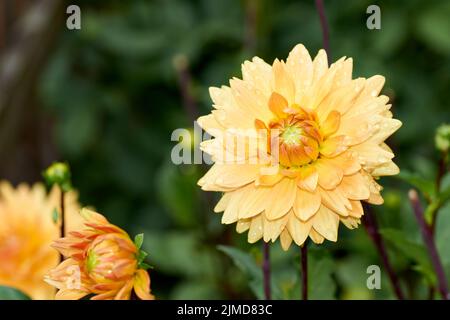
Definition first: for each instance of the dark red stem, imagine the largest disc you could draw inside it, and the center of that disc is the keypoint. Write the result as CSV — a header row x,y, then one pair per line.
x,y
266,270
371,226
429,243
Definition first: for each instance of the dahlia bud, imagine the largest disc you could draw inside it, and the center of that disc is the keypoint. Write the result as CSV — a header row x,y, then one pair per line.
x,y
58,173
109,264
442,138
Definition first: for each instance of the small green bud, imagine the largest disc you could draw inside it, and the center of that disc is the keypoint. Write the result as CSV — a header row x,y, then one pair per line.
x,y
55,215
58,173
442,138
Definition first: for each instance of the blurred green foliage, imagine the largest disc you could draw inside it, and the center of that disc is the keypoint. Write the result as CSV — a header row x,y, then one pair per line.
x,y
113,90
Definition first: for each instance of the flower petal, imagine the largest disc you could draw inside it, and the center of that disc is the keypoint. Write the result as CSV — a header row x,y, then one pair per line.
x,y
326,222
306,204
142,285
329,174
280,199
277,104
308,178
354,187
253,202
299,230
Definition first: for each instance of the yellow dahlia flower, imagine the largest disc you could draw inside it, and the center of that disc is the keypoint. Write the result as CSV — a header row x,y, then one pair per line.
x,y
102,260
297,146
27,229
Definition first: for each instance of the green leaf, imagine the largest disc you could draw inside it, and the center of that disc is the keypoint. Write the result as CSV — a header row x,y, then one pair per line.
x,y
247,264
138,240
411,250
8,293
320,281
427,187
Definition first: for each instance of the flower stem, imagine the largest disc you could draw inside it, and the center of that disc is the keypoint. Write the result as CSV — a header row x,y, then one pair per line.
x,y
429,243
63,215
324,25
304,263
266,270
371,225
442,169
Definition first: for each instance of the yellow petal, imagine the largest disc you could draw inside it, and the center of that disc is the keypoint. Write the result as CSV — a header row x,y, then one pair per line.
x,y
333,146
331,123
253,203
277,104
306,204
92,216
316,237
386,169
142,285
308,178
344,73
347,162
69,294
350,222
335,200
281,199
300,67
273,228
357,209
268,180
283,83
299,230
320,65
243,225
259,73
226,177
231,212
223,202
326,222
125,292
285,239
354,187
256,229
329,174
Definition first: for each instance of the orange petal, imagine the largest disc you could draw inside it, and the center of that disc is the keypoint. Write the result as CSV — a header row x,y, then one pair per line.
x,y
142,285
308,178
335,201
347,162
306,204
69,294
355,187
281,199
329,174
277,104
260,125
333,146
92,216
125,292
326,223
268,180
331,124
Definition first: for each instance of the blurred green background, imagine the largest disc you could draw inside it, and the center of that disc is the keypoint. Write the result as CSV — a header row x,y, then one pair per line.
x,y
106,98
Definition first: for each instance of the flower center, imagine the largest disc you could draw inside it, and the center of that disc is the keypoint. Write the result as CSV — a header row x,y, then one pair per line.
x,y
295,131
91,261
291,135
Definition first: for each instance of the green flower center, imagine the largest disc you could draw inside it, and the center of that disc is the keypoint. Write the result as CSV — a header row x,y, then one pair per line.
x,y
91,261
291,135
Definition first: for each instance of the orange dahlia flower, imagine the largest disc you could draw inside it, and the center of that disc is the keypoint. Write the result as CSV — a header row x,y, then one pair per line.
x,y
297,146
102,260
27,229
